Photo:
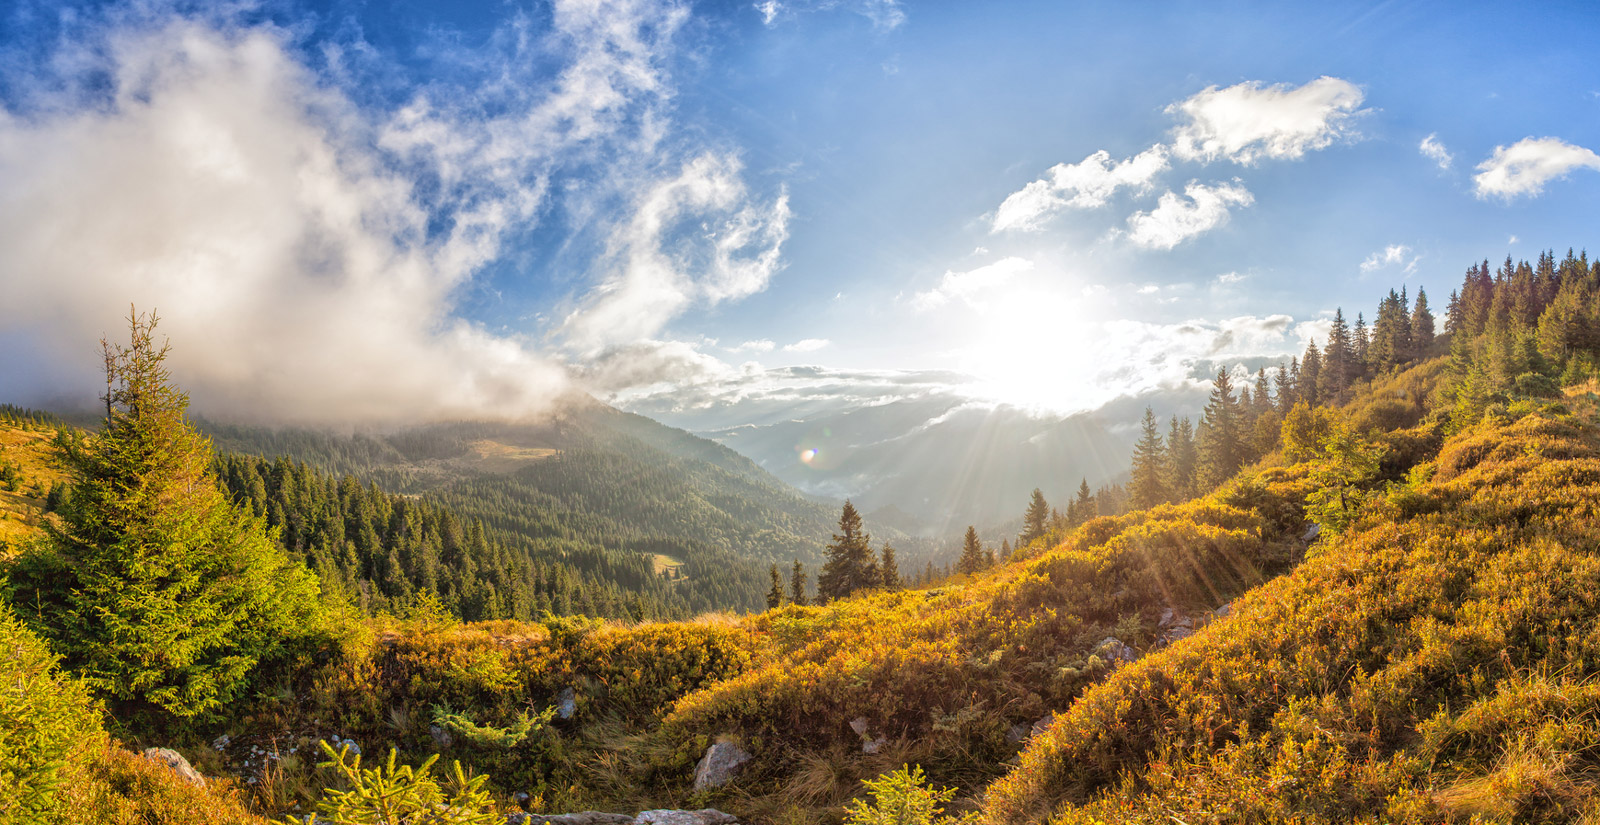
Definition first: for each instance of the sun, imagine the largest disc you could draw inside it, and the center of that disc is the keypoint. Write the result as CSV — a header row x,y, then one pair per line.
x,y
1035,349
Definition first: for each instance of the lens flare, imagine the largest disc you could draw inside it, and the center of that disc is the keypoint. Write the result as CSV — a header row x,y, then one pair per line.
x,y
808,455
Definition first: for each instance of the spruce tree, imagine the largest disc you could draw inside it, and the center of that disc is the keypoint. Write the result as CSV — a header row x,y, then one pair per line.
x,y
1083,507
775,593
972,555
154,586
850,566
1421,325
1309,387
1181,460
1149,466
797,584
1221,440
889,571
1035,519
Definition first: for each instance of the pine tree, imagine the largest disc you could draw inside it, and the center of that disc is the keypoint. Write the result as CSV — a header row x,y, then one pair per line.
x,y
1182,460
1034,520
972,556
1421,325
889,571
1082,508
850,566
1336,358
1221,441
1149,466
775,594
155,587
1285,398
1309,387
797,584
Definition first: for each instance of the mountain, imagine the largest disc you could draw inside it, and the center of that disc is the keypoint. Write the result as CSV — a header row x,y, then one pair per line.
x,y
941,462
613,495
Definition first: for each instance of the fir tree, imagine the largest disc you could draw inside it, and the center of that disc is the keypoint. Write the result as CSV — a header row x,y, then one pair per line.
x,y
1285,397
775,595
1035,519
1309,387
1149,466
1421,325
155,587
1221,440
972,556
1082,508
889,571
1182,460
850,566
797,584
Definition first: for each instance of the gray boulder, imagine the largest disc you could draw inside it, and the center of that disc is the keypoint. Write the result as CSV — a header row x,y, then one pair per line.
x,y
179,765
583,818
442,739
566,704
1042,725
1114,651
706,816
720,763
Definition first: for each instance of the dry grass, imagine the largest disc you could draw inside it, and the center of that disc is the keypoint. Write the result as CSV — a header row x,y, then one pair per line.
x,y
32,453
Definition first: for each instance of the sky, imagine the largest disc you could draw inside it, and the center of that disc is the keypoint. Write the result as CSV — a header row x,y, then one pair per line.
x,y
396,210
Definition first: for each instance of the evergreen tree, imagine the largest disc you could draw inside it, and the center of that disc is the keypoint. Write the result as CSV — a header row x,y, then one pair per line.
x,y
1149,466
1221,440
1034,519
1421,325
889,571
850,566
775,595
972,556
1337,358
797,584
1309,387
1263,394
1082,508
154,586
1285,399
1182,460
1361,343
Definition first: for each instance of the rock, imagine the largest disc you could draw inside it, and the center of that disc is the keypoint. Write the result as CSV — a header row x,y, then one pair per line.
x,y
721,761
566,704
1042,725
442,739
179,765
584,818
874,745
1223,611
1018,733
1114,651
518,818
707,816
1311,533
859,725
521,797
1176,634
221,742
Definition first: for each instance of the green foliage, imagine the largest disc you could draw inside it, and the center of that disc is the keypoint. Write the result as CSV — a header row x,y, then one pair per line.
x,y
488,736
47,725
1342,471
403,795
154,587
850,566
903,797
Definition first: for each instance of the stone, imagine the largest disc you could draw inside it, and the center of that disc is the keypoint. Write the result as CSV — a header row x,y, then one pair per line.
x,y
706,816
583,818
859,725
1043,724
1311,533
1018,733
179,765
1114,651
719,765
566,704
1223,611
442,739
1176,634
874,745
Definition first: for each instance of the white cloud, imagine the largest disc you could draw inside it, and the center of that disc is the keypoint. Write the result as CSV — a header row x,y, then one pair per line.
x,y
1148,289
769,10
1524,167
1176,219
1432,149
1229,278
885,15
1513,239
807,345
1083,185
758,345
695,236
1391,255
970,286
1248,121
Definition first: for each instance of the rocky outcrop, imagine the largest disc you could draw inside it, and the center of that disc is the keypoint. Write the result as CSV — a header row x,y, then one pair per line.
x,y
175,761
720,764
1114,652
706,816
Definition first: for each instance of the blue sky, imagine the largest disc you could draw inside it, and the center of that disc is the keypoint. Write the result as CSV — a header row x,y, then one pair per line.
x,y
389,210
